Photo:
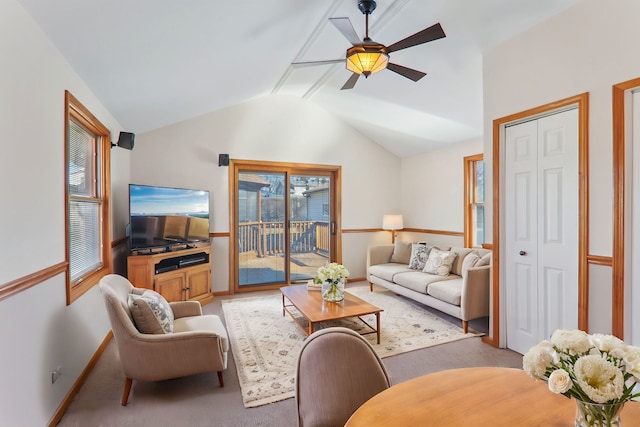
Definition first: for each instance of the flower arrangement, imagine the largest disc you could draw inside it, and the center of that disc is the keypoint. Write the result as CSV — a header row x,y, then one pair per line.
x,y
332,277
595,369
332,273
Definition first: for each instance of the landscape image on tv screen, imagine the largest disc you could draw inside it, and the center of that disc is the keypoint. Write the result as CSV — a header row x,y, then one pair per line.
x,y
165,216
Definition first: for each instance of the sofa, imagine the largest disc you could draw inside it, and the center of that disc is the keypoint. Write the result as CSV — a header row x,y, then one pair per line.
x,y
455,281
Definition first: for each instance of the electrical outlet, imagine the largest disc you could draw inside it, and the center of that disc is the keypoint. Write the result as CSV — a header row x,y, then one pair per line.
x,y
56,374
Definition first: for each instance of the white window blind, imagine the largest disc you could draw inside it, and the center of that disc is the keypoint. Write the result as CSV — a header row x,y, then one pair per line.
x,y
85,245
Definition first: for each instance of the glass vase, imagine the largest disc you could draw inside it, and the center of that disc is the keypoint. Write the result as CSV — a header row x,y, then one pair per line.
x,y
598,414
333,291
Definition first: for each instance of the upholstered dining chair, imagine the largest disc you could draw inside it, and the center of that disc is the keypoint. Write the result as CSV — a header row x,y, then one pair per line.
x,y
194,344
337,371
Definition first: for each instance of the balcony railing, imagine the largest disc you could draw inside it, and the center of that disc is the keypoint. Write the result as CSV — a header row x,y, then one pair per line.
x,y
268,238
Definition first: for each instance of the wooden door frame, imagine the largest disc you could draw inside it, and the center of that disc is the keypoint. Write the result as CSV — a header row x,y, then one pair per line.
x,y
582,101
235,165
620,133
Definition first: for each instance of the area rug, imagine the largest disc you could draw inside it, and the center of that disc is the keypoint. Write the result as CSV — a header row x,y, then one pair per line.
x,y
265,344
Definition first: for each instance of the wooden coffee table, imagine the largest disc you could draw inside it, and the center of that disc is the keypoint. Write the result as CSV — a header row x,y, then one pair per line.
x,y
314,309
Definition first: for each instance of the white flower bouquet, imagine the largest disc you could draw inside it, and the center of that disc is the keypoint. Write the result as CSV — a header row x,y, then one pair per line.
x,y
331,273
596,369
332,277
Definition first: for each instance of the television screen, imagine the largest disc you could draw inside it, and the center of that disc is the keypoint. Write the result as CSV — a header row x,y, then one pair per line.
x,y
164,216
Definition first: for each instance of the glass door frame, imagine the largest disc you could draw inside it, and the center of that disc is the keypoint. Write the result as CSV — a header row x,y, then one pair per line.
x,y
289,169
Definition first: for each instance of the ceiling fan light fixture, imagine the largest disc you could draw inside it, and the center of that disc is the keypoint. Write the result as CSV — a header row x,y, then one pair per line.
x,y
367,60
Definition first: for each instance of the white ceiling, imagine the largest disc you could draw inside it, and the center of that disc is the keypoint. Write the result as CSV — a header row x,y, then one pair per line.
x,y
158,62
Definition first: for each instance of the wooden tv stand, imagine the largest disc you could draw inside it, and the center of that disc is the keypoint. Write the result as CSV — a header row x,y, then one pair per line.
x,y
178,275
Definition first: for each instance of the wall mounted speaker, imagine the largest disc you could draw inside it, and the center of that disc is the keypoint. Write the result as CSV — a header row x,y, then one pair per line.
x,y
223,160
126,140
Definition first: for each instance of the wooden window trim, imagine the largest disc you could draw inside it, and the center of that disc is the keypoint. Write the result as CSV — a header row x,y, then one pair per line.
x,y
469,201
78,112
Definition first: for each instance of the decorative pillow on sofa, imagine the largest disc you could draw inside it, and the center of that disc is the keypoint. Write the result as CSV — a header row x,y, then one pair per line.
x,y
440,262
419,255
484,260
151,313
401,252
469,261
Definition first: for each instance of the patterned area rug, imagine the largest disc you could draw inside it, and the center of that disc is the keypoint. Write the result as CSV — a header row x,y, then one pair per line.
x,y
265,344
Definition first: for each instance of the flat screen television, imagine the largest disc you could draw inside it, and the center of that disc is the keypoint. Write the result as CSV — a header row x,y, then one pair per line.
x,y
165,217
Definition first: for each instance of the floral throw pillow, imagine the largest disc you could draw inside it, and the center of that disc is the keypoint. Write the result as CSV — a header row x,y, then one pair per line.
x,y
151,313
440,262
419,255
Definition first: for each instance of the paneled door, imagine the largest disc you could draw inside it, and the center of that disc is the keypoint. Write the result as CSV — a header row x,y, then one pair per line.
x,y
285,223
541,228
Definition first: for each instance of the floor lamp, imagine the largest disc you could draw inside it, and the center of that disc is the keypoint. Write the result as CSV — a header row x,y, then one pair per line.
x,y
393,223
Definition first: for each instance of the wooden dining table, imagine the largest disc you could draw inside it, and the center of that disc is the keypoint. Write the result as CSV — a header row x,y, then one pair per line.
x,y
486,396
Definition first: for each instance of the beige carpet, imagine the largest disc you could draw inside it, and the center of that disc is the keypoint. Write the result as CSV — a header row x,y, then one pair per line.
x,y
265,344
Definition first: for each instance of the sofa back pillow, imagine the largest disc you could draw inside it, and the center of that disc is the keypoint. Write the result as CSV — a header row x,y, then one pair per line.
x,y
469,261
484,260
440,262
419,255
401,252
456,268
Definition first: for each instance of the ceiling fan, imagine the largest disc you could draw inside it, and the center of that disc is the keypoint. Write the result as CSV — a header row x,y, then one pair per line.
x,y
366,57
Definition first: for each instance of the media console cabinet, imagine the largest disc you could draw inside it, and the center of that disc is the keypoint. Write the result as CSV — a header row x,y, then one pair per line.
x,y
178,275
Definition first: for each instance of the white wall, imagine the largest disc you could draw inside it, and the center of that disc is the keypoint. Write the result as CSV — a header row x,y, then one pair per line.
x,y
588,48
38,332
272,128
433,187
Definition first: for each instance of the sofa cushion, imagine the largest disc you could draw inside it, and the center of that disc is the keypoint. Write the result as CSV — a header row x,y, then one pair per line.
x,y
208,323
469,261
440,262
419,281
448,291
401,252
456,268
419,255
388,271
484,260
151,313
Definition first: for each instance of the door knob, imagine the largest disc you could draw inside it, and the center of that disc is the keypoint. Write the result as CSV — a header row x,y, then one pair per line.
x,y
522,253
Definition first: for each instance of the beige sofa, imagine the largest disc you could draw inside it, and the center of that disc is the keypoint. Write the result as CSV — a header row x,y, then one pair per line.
x,y
463,293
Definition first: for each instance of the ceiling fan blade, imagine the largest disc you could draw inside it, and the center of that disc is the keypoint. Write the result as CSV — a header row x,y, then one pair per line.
x,y
409,73
310,63
346,28
434,32
351,82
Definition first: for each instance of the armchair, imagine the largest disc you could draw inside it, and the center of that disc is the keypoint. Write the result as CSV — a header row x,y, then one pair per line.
x,y
198,343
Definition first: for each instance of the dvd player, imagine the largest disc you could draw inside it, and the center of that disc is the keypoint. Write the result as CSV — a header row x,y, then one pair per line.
x,y
170,264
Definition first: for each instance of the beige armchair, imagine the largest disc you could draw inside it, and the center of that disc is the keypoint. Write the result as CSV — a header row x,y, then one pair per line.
x,y
197,344
337,372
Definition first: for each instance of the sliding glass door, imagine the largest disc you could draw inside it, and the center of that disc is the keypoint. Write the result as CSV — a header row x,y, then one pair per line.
x,y
284,223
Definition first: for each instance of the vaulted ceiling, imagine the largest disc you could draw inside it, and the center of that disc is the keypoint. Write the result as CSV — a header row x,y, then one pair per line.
x,y
158,62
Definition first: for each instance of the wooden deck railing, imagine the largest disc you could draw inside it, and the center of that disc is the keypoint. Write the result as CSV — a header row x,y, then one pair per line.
x,y
267,238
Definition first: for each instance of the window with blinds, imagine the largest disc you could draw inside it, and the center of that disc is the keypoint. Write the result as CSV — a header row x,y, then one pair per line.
x,y
87,165
84,202
474,235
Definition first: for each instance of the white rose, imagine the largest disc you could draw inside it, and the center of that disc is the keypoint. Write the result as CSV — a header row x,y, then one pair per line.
x,y
560,381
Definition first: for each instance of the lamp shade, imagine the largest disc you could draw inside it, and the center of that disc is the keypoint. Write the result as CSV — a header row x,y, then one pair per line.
x,y
367,59
392,222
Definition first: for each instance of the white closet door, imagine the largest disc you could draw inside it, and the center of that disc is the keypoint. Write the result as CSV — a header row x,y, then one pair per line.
x,y
541,235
